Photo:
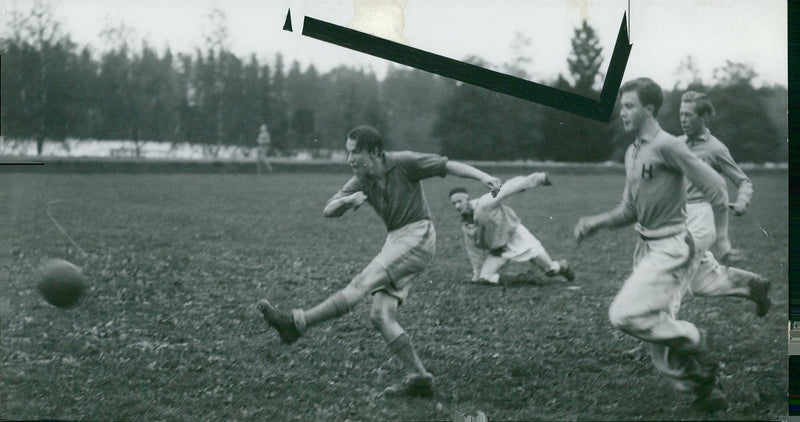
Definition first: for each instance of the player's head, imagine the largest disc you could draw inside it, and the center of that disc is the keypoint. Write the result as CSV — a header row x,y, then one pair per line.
x,y
696,109
364,149
641,99
459,199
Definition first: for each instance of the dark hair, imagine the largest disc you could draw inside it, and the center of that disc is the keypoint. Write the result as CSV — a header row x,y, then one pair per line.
x,y
457,190
702,104
647,90
367,139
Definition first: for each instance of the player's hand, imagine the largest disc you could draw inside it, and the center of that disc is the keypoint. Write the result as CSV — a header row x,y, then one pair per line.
x,y
738,209
585,228
493,183
357,199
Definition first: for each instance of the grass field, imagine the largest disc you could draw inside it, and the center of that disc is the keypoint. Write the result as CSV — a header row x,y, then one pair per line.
x,y
169,329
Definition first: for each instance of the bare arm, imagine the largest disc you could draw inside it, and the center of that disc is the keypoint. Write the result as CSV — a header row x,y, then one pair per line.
x,y
519,184
338,206
467,171
350,196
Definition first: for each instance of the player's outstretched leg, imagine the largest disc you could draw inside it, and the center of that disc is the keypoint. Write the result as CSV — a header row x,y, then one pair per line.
x,y
418,381
291,326
712,279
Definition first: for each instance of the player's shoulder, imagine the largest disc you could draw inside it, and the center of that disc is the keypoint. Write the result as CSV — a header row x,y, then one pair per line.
x,y
484,202
481,200
716,144
409,155
406,157
665,138
667,142
400,154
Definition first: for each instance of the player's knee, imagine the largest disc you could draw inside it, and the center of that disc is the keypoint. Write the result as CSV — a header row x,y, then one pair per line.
x,y
620,319
368,279
380,316
359,284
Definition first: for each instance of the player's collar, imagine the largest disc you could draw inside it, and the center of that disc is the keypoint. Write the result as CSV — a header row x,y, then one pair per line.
x,y
388,164
704,135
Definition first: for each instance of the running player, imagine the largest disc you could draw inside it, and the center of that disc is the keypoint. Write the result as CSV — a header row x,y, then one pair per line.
x,y
696,109
494,235
390,182
654,198
709,229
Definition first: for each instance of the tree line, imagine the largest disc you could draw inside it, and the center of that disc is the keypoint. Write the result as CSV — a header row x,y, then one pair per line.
x,y
53,89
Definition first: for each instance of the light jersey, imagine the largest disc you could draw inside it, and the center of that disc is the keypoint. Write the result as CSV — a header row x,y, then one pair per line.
x,y
655,193
398,198
494,225
714,153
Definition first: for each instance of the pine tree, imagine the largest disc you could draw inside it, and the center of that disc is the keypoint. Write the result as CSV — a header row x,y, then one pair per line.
x,y
585,59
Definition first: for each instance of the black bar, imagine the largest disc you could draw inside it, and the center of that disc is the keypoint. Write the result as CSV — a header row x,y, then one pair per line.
x,y
479,76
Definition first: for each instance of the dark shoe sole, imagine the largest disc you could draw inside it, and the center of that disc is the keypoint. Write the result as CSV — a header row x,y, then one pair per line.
x,y
282,324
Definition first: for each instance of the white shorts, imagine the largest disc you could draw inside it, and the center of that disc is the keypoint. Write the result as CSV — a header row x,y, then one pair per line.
x,y
406,253
523,246
700,222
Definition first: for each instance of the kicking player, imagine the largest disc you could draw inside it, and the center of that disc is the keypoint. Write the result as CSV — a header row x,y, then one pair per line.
x,y
654,198
390,182
494,235
709,229
696,109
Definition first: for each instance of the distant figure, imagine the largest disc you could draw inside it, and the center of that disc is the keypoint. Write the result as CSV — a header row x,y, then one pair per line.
x,y
263,142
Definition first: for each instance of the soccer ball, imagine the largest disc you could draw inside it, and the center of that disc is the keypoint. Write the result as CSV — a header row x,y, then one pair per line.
x,y
61,283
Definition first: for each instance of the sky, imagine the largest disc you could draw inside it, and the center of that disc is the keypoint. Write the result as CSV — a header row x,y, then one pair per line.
x,y
663,32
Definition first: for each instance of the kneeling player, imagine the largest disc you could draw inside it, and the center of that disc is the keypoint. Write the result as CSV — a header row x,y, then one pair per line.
x,y
494,235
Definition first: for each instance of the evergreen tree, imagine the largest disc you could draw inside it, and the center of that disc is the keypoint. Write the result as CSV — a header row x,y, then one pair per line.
x,y
585,59
568,137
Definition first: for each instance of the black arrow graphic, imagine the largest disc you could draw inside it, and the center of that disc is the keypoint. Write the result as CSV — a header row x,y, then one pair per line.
x,y
496,81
